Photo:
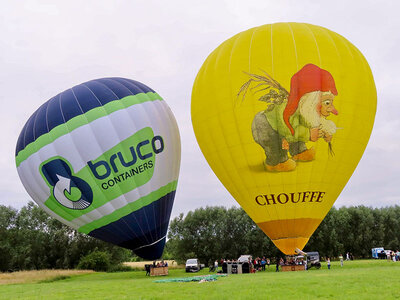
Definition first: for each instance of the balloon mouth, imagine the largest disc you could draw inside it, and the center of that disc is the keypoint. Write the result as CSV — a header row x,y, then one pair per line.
x,y
289,245
151,251
289,234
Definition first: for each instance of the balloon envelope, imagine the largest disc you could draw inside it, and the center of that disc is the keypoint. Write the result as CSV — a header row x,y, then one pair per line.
x,y
103,157
283,114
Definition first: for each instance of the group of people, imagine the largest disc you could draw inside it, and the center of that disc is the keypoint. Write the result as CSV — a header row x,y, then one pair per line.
x,y
393,255
160,264
290,261
257,264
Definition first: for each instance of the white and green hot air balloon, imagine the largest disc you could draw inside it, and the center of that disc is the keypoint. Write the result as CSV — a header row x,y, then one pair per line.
x,y
103,157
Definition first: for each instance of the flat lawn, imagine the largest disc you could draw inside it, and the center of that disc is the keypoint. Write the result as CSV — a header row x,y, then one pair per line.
x,y
363,279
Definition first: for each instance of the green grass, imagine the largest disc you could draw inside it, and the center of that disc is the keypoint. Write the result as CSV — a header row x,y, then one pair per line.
x,y
363,279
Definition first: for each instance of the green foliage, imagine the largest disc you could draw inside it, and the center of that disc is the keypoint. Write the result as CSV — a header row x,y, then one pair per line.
x,y
96,260
216,232
31,240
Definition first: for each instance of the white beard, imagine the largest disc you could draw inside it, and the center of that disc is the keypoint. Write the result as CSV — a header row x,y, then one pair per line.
x,y
327,126
307,107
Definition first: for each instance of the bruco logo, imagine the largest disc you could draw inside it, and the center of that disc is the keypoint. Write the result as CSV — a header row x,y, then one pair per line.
x,y
69,190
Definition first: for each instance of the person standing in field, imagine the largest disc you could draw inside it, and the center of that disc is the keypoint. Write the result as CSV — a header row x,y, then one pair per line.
x,y
268,262
328,261
341,260
277,264
216,265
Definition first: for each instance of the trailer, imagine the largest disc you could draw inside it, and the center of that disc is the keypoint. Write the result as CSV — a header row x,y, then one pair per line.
x,y
378,253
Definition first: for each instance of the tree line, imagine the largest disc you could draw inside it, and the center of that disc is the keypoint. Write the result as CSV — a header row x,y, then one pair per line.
x,y
31,240
216,232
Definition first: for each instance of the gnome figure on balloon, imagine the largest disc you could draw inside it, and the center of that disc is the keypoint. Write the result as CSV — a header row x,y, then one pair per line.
x,y
293,118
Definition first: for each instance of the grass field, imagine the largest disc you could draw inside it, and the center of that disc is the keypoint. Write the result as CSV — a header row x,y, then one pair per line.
x,y
364,279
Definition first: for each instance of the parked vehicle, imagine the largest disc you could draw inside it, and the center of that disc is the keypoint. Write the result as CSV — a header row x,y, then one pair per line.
x,y
378,252
313,260
244,258
193,265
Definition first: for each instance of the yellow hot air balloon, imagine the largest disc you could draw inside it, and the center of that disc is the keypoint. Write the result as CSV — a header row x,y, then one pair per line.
x,y
283,114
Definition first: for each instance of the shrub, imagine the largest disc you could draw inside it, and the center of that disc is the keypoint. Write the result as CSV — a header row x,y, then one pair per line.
x,y
96,260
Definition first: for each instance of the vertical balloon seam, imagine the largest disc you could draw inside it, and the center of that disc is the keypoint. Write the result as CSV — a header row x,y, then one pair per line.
x,y
362,149
88,216
230,84
160,208
33,133
277,215
328,34
66,210
175,171
153,203
106,220
176,136
31,165
367,71
27,127
273,75
39,154
324,211
51,144
176,149
316,145
345,43
281,217
292,230
153,207
354,50
145,215
159,121
289,234
103,150
74,143
31,169
254,31
120,217
203,149
266,211
144,206
167,113
20,141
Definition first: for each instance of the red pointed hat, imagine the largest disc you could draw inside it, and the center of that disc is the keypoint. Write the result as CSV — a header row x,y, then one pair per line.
x,y
309,79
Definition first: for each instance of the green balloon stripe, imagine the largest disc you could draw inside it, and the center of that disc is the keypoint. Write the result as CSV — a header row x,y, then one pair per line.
x,y
131,207
84,119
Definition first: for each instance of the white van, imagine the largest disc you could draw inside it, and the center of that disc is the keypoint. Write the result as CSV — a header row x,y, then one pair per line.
x,y
193,265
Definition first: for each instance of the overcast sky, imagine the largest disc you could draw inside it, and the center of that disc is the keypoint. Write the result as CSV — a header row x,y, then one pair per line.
x,y
49,46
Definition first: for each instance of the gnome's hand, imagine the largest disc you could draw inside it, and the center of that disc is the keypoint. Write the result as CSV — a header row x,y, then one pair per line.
x,y
315,133
328,137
